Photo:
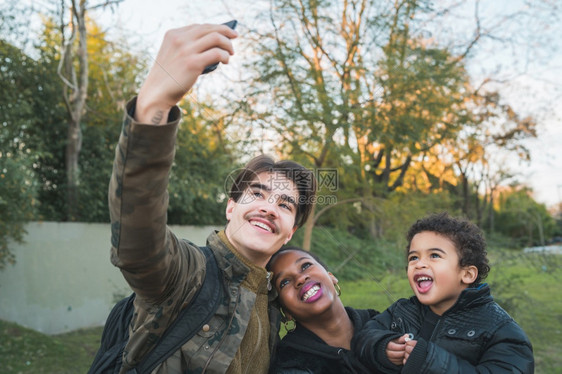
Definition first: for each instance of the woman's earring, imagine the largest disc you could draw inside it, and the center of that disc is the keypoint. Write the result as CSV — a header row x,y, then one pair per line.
x,y
338,289
290,327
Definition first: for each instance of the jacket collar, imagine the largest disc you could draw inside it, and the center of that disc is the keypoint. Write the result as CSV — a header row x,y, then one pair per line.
x,y
228,260
469,298
473,296
237,268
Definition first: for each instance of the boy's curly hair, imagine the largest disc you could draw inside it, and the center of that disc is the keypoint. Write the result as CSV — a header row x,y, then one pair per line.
x,y
466,236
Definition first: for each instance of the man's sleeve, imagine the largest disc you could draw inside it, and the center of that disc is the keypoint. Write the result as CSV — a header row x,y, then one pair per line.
x,y
150,257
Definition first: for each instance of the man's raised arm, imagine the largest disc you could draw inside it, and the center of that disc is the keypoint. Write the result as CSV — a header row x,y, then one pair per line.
x,y
138,198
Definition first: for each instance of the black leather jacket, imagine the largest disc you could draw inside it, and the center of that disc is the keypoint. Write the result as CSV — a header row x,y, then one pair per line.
x,y
475,336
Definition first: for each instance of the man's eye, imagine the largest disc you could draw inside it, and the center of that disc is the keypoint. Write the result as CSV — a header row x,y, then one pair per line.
x,y
435,255
286,206
257,193
412,258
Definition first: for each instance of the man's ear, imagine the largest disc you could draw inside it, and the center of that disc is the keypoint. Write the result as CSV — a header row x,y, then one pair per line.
x,y
229,208
469,274
290,235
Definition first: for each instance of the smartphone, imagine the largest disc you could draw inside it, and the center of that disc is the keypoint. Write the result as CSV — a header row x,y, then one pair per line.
x,y
232,24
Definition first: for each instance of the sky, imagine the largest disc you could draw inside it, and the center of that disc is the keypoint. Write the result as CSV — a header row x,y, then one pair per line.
x,y
535,87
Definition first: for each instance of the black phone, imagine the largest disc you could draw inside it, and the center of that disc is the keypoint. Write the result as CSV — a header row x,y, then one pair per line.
x,y
232,24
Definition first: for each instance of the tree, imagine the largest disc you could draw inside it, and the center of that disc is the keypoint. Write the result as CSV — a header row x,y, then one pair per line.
x,y
354,89
520,217
73,70
474,161
372,88
203,161
17,192
112,78
75,92
21,81
421,104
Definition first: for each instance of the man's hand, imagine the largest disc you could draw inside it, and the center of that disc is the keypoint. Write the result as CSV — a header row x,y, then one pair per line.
x,y
395,350
183,55
409,347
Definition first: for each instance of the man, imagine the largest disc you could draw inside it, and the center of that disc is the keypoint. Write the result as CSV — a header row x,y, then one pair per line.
x,y
268,201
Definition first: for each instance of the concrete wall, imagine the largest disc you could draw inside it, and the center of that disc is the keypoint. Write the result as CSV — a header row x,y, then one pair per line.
x,y
63,279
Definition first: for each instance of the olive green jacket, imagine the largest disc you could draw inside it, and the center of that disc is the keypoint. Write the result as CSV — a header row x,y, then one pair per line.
x,y
165,272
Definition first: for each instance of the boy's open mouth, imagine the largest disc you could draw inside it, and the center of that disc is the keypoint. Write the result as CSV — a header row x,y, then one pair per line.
x,y
424,282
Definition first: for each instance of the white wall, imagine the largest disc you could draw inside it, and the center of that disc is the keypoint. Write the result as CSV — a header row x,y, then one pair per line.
x,y
63,279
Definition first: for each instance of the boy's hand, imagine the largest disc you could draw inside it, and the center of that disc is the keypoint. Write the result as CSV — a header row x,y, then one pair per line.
x,y
395,350
409,347
183,55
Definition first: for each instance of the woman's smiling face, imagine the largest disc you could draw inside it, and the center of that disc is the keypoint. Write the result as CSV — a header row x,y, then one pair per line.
x,y
305,287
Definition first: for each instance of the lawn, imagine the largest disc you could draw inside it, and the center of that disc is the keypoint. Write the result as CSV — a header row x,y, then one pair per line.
x,y
27,351
525,285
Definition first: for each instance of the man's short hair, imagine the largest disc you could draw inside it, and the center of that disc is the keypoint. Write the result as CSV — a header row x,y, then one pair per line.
x,y
465,235
302,177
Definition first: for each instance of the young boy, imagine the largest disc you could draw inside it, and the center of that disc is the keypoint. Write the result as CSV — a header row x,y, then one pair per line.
x,y
452,324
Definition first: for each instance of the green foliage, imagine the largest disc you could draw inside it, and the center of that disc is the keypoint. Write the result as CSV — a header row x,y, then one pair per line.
x,y
350,257
404,208
96,162
350,250
387,218
33,132
199,180
371,98
24,100
112,75
39,121
360,89
34,127
376,293
523,220
112,78
17,191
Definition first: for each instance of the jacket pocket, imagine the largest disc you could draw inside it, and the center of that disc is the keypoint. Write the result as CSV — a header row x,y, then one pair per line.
x,y
465,342
199,349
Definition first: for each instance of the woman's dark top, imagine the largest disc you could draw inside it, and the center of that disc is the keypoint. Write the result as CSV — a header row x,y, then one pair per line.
x,y
302,351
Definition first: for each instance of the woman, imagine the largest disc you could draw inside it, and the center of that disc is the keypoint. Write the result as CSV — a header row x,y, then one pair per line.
x,y
319,327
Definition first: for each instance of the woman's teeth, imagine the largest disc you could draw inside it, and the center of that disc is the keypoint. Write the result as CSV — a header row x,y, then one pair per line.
x,y
308,294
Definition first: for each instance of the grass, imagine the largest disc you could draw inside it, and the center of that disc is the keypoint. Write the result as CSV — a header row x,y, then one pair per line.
x,y
26,351
525,285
